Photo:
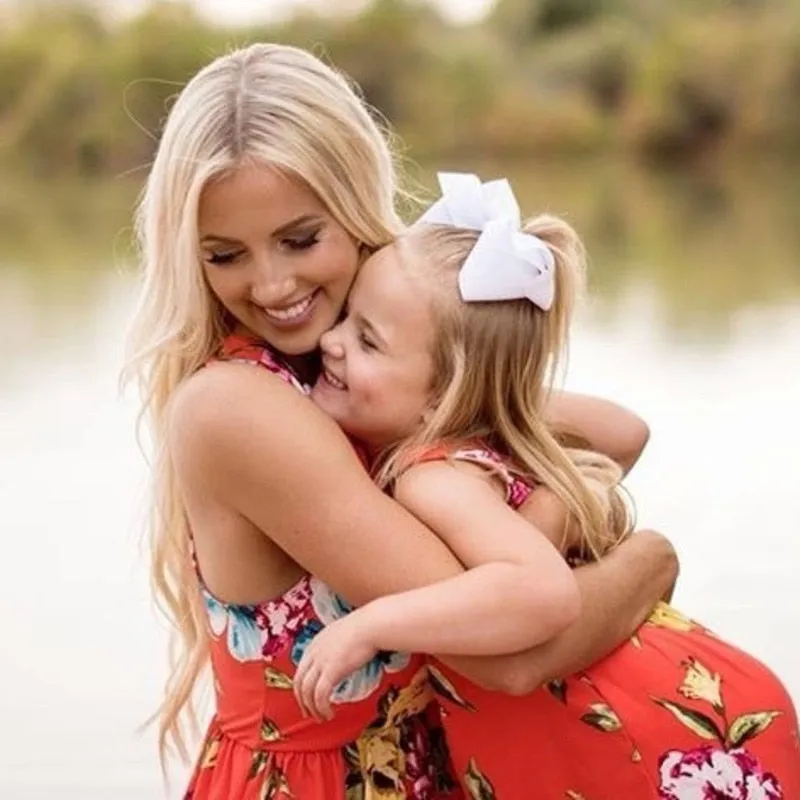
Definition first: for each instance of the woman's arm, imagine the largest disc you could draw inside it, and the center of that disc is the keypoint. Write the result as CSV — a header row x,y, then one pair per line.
x,y
599,425
252,444
299,480
315,503
617,595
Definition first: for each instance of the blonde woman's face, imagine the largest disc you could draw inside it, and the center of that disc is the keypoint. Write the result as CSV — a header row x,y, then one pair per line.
x,y
275,257
377,363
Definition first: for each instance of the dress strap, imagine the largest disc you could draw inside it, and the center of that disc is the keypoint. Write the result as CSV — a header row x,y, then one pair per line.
x,y
242,349
517,489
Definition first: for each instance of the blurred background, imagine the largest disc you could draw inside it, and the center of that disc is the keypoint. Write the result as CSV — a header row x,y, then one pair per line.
x,y
667,131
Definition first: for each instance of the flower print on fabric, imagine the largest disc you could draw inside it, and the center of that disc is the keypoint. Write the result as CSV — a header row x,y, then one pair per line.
x,y
260,631
281,620
328,607
244,636
711,772
724,769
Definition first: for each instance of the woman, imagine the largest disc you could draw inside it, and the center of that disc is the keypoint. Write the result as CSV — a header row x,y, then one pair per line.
x,y
270,185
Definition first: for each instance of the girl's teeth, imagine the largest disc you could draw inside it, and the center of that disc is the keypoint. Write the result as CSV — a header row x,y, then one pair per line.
x,y
334,381
296,310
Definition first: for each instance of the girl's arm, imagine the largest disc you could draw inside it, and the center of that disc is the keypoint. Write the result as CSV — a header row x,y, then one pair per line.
x,y
617,595
598,425
517,590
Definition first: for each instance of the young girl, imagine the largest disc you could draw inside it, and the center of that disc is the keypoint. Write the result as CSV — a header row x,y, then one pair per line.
x,y
271,184
440,368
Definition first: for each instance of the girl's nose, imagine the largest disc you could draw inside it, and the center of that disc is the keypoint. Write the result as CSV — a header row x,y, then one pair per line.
x,y
331,343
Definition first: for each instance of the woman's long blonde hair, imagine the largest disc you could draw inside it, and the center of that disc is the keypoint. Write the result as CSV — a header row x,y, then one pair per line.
x,y
494,364
266,104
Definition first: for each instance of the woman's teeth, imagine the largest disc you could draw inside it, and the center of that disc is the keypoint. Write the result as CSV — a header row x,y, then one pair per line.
x,y
292,312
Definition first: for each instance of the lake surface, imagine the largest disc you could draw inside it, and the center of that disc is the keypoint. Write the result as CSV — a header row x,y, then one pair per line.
x,y
694,321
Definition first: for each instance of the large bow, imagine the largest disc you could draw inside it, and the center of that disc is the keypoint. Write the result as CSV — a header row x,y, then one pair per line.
x,y
505,263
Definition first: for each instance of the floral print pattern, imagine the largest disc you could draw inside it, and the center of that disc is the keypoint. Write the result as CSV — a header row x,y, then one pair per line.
x,y
725,769
708,772
402,752
243,634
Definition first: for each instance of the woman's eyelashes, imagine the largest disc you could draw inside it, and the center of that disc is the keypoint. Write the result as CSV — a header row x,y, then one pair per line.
x,y
295,244
223,258
303,242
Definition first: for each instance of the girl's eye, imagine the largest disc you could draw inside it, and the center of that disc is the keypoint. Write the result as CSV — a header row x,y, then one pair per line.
x,y
222,258
303,243
366,342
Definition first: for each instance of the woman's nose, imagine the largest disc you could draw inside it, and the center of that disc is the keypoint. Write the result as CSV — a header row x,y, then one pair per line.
x,y
272,286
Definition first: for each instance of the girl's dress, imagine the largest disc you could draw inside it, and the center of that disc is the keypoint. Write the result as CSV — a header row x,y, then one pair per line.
x,y
674,713
385,741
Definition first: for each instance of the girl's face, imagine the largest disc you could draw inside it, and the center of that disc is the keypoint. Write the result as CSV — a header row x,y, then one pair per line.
x,y
377,364
275,257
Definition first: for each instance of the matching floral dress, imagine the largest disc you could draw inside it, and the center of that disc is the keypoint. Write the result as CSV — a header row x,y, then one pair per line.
x,y
674,713
385,740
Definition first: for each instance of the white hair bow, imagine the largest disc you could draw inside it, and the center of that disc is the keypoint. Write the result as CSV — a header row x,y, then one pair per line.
x,y
505,264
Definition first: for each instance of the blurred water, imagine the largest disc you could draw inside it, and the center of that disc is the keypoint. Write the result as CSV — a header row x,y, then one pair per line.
x,y
695,323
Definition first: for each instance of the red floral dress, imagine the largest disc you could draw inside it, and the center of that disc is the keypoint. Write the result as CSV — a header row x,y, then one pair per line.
x,y
385,740
674,713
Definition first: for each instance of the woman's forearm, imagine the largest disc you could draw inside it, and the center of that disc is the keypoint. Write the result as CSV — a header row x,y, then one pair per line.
x,y
617,595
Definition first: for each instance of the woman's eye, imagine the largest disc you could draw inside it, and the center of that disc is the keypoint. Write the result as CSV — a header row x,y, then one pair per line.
x,y
303,242
222,258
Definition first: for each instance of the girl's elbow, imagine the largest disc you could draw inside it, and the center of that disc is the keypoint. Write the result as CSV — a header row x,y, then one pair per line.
x,y
566,606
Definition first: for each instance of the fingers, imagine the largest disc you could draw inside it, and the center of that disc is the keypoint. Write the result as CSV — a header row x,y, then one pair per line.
x,y
304,682
321,699
313,686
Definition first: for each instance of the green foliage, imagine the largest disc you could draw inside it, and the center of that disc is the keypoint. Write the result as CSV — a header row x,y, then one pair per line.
x,y
679,79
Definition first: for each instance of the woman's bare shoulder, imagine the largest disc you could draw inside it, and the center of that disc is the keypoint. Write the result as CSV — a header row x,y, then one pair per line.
x,y
225,411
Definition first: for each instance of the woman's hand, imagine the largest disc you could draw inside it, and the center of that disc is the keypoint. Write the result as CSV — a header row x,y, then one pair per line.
x,y
338,650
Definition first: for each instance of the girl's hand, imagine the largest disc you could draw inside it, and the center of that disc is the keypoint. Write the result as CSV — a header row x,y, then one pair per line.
x,y
338,650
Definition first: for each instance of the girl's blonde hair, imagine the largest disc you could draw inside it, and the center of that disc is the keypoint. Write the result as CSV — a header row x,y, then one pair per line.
x,y
265,104
494,364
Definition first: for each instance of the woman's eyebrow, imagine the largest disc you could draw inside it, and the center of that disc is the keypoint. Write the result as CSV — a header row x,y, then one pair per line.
x,y
208,239
297,222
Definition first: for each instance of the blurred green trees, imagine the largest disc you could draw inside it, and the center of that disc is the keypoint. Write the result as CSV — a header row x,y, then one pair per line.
x,y
661,79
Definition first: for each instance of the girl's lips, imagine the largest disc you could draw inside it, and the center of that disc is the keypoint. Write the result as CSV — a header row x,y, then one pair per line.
x,y
331,379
